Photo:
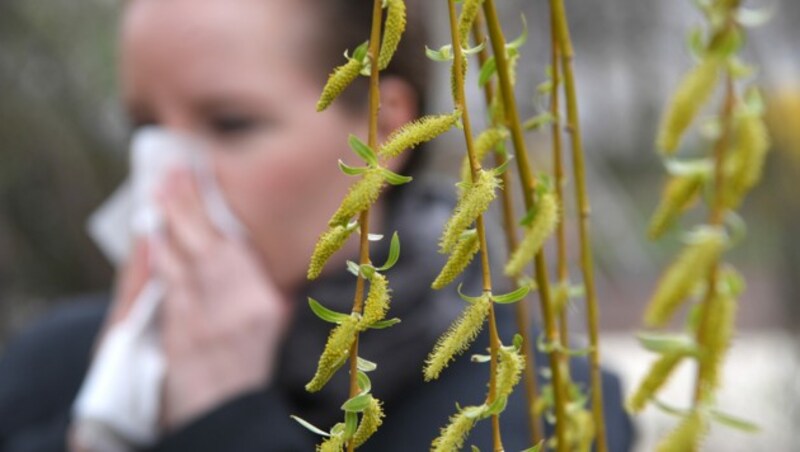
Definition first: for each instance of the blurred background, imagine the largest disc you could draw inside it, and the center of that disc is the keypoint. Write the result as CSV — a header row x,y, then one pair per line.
x,y
63,150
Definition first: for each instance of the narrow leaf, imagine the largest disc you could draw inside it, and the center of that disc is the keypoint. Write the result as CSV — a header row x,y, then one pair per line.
x,y
394,253
383,324
363,151
324,313
512,297
357,403
311,427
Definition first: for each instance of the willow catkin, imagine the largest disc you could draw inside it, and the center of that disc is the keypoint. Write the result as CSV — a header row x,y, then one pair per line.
x,y
469,11
393,30
453,436
362,194
717,337
656,377
461,256
332,444
338,81
542,226
475,201
686,436
746,162
329,242
509,370
371,419
691,266
484,143
335,353
416,132
693,92
678,195
377,303
458,337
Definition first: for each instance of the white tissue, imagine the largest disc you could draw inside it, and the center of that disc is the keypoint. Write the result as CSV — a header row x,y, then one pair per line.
x,y
117,407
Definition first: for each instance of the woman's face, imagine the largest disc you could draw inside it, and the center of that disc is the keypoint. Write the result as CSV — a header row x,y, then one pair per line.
x,y
233,73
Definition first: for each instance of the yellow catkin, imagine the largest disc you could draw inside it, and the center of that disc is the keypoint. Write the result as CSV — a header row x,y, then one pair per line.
x,y
687,436
746,162
540,229
329,242
717,338
361,195
453,436
468,14
462,255
484,143
474,202
377,304
691,266
393,30
338,81
693,92
331,444
335,353
656,377
416,132
509,370
678,195
371,419
457,338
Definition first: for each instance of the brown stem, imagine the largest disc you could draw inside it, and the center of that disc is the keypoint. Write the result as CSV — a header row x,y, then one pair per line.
x,y
374,107
528,183
509,224
587,260
475,167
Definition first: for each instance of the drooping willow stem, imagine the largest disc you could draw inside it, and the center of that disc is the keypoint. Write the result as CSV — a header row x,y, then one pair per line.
x,y
509,223
587,260
475,166
363,221
716,218
528,183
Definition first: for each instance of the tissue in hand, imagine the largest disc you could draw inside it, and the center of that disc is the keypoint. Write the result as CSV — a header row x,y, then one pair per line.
x,y
118,405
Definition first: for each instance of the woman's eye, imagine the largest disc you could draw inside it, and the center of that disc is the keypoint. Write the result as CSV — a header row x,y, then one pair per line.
x,y
233,124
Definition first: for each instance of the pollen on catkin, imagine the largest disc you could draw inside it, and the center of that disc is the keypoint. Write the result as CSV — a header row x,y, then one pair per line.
x,y
453,436
542,226
509,370
691,266
362,194
335,353
658,374
329,243
746,163
417,132
333,443
393,30
717,338
338,81
377,303
678,195
484,143
457,338
693,92
475,201
687,435
469,11
371,419
462,255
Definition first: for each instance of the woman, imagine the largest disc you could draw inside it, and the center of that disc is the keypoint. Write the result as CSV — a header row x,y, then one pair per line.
x,y
244,76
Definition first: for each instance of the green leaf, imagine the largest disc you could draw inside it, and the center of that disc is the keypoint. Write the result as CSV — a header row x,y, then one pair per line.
x,y
363,151
512,297
338,429
518,341
324,313
539,121
396,179
689,167
474,50
517,43
353,268
663,343
383,324
361,51
734,422
365,365
488,69
503,167
394,253
475,449
546,87
529,216
536,448
755,102
696,43
445,53
308,425
350,424
363,382
357,404
475,412
351,170
750,17
736,227
374,237
669,409
480,358
467,298
496,407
